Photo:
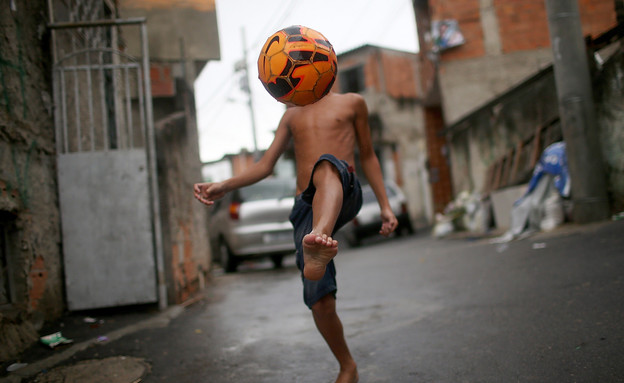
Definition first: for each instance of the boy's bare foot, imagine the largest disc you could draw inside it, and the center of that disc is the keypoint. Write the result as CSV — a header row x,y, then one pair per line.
x,y
348,376
318,250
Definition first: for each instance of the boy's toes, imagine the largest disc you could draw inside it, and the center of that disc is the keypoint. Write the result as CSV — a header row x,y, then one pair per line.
x,y
331,242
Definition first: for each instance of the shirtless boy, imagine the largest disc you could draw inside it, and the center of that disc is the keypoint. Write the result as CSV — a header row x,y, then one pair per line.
x,y
325,135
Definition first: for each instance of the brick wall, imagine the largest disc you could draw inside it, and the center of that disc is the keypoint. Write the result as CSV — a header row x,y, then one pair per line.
x,y
163,82
506,42
393,94
597,16
200,5
391,72
439,169
241,161
401,75
522,25
467,14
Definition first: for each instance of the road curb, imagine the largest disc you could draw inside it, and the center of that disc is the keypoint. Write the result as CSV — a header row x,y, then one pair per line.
x,y
160,320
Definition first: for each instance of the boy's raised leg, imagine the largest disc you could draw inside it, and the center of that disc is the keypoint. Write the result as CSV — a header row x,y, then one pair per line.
x,y
318,246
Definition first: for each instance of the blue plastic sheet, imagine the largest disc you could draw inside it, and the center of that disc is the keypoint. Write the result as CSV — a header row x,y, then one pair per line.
x,y
554,162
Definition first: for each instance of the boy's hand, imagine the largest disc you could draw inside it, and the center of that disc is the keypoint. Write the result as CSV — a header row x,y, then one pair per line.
x,y
389,222
208,192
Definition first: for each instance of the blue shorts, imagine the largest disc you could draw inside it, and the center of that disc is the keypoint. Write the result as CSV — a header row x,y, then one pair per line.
x,y
301,218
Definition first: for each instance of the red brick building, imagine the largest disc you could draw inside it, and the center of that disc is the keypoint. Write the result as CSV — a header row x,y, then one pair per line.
x,y
505,42
390,81
494,85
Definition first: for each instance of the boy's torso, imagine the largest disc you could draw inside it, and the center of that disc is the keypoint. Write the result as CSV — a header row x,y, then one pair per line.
x,y
326,127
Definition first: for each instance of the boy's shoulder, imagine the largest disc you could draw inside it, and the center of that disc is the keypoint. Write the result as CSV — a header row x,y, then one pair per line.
x,y
348,96
331,101
351,100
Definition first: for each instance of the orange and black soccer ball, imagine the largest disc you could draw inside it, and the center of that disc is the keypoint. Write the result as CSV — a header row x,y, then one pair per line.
x,y
297,65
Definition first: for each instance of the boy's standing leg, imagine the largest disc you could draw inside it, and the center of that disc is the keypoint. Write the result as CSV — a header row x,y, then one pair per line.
x,y
318,250
329,325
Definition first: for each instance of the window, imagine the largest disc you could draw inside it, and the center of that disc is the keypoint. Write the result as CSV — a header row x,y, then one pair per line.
x,y
352,79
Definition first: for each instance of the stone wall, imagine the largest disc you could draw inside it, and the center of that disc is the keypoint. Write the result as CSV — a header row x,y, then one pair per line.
x,y
32,285
609,98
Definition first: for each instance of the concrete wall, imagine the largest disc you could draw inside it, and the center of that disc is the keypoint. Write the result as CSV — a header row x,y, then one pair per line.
x,y
506,42
29,215
177,28
481,139
184,220
31,284
609,98
468,83
183,36
490,132
180,31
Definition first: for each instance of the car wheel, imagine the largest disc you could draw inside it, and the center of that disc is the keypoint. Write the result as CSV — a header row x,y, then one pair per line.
x,y
399,230
228,262
277,260
407,226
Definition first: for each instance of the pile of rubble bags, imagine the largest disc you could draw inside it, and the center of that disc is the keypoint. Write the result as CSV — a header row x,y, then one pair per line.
x,y
543,206
468,212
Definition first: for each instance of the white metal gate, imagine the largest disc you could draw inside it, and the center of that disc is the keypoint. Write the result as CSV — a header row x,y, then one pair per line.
x,y
107,173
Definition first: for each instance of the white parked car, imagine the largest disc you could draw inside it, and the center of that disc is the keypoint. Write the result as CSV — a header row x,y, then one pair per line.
x,y
252,222
368,221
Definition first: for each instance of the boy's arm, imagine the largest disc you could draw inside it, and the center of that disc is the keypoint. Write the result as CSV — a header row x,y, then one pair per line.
x,y
208,192
371,167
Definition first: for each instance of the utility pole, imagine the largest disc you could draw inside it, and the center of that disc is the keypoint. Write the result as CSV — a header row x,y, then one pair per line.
x,y
577,112
241,66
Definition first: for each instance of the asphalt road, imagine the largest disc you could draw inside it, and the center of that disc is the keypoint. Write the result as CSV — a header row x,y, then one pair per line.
x,y
545,309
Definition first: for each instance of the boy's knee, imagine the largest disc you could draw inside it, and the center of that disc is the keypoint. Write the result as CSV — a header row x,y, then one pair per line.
x,y
325,305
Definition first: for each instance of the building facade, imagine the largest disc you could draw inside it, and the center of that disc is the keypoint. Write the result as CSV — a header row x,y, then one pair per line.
x,y
504,42
389,81
497,85
73,86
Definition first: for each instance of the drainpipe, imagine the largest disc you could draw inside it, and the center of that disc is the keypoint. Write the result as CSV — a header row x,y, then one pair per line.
x,y
577,112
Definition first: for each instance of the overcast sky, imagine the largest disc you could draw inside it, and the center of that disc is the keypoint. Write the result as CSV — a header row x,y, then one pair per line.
x,y
223,115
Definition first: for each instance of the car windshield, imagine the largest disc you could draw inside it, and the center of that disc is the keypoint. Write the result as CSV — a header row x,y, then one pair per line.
x,y
268,189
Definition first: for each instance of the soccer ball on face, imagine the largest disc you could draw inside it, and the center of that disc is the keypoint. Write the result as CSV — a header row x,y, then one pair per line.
x,y
297,65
